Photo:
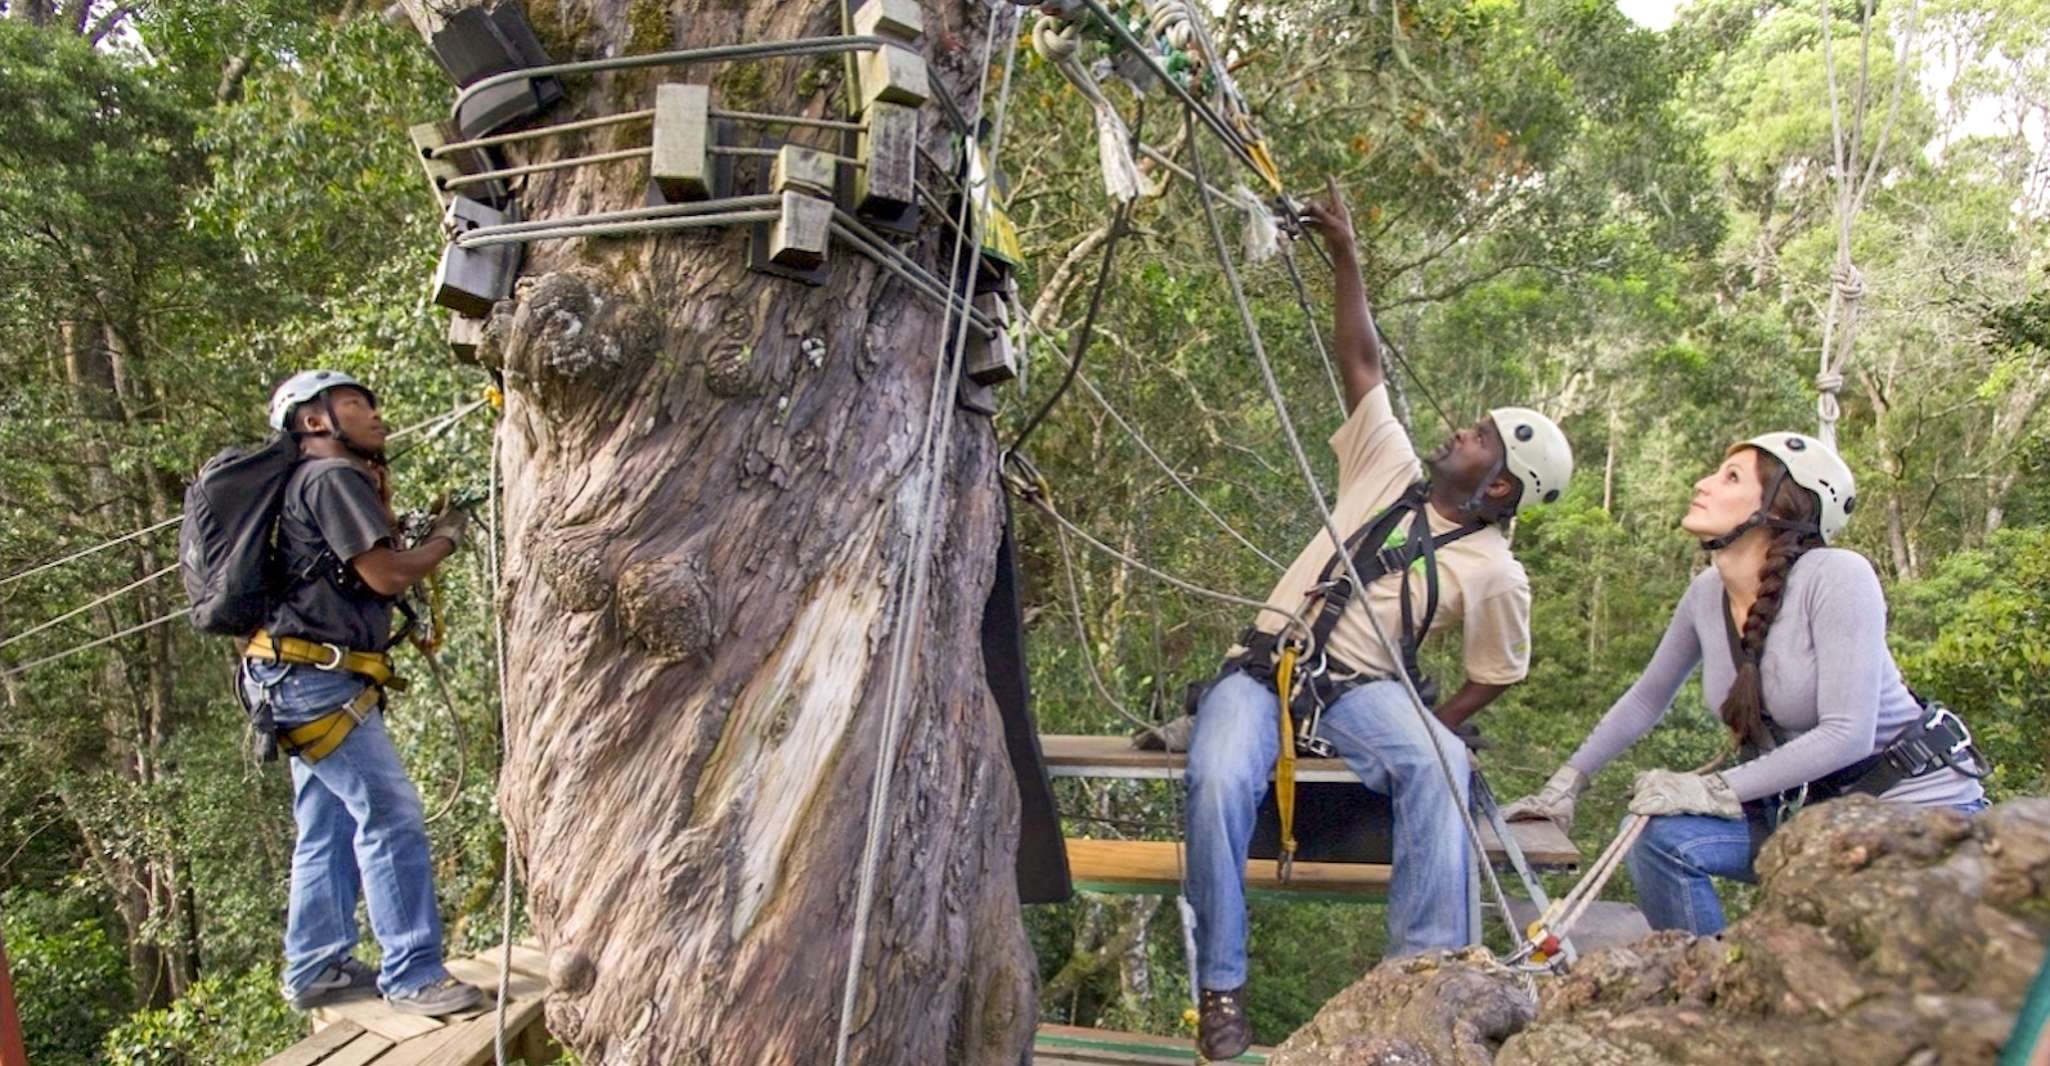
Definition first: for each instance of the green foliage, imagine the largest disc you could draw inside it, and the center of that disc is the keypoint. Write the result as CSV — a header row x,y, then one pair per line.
x,y
71,981
230,1020
1976,634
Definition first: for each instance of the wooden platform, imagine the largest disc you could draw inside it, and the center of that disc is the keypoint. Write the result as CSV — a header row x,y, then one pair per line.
x,y
363,1031
1068,1045
1149,866
1067,755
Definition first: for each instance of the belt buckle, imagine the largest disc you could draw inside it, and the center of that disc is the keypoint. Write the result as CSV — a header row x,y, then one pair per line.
x,y
332,664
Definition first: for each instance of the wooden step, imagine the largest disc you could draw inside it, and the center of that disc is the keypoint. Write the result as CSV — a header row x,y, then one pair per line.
x,y
1078,755
1151,866
1074,1045
1070,755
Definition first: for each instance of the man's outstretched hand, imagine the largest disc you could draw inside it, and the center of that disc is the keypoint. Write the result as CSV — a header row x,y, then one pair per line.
x,y
1330,218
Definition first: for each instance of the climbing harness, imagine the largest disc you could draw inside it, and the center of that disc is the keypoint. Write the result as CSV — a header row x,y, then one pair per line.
x,y
1417,702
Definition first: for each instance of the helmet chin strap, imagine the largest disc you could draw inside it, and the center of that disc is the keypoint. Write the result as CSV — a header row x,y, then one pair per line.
x,y
1480,493
1760,518
334,430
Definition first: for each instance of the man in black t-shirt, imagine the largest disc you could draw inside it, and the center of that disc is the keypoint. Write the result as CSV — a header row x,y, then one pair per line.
x,y
319,664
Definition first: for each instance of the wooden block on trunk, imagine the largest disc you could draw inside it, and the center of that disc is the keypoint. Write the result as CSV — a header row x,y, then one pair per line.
x,y
464,335
888,149
798,239
470,280
901,19
426,137
800,169
990,360
893,75
681,163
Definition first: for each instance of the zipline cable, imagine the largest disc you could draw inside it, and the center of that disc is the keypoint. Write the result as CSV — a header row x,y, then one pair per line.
x,y
439,424
176,518
84,607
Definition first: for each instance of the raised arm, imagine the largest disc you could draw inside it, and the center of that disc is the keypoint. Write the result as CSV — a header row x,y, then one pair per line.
x,y
1354,337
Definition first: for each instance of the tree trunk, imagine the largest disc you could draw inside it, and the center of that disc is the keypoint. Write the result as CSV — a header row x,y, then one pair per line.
x,y
706,529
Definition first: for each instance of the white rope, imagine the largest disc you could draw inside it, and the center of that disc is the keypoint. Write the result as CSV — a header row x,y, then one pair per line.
x,y
1429,723
934,449
82,608
1059,42
505,922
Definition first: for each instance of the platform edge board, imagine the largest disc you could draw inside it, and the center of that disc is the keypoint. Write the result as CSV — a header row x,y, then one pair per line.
x,y
1072,1039
320,1045
1151,863
372,1013
365,1049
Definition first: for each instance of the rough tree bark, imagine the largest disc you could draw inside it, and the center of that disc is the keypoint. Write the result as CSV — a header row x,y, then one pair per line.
x,y
705,526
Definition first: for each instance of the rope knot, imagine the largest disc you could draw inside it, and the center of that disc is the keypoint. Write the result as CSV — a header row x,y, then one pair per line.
x,y
1829,382
1056,40
1849,282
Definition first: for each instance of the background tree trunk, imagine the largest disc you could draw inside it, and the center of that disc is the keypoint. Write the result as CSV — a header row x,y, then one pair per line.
x,y
706,529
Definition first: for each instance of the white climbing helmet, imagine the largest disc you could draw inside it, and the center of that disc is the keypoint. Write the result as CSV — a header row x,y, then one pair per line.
x,y
307,385
1535,452
1814,466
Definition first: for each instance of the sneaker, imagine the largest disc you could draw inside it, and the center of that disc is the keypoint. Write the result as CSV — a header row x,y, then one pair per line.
x,y
446,996
1222,1031
339,980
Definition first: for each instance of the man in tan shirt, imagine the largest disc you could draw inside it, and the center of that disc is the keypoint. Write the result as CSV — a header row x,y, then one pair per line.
x,y
1477,481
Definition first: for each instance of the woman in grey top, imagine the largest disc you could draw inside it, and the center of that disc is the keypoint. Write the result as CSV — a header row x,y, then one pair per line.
x,y
1808,691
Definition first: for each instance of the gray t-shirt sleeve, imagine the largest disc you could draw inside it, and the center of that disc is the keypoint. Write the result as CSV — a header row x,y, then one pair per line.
x,y
343,503
1846,610
1639,709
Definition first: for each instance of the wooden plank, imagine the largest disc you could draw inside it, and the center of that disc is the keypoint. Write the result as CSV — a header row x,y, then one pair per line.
x,y
470,1042
471,1037
1070,1044
1074,755
527,957
365,1049
1542,843
1149,865
482,971
375,1015
316,1047
1069,755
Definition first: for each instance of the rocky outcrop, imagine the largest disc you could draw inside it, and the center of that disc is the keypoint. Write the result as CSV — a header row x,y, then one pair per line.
x,y
1881,934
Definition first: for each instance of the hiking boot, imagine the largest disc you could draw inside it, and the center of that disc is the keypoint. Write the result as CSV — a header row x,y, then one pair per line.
x,y
339,980
446,996
1222,1032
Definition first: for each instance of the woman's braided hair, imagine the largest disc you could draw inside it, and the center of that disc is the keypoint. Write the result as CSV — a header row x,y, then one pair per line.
x,y
1743,710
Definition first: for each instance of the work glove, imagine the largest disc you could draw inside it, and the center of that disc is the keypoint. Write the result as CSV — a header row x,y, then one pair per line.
x,y
450,522
1553,803
1671,792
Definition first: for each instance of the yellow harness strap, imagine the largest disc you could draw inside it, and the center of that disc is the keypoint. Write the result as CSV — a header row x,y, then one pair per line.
x,y
1284,764
374,665
314,741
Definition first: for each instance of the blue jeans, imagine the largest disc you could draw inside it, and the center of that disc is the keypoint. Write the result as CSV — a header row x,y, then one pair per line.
x,y
1674,862
1378,734
360,824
